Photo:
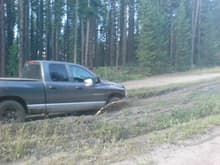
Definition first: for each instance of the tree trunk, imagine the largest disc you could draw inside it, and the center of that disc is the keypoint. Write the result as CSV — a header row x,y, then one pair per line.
x,y
131,56
23,33
124,32
171,42
92,42
199,35
82,43
112,33
2,39
57,44
195,19
87,37
53,48
49,30
75,32
40,29
26,39
11,20
21,37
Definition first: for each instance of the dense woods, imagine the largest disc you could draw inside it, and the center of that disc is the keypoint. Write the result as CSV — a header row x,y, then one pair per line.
x,y
158,35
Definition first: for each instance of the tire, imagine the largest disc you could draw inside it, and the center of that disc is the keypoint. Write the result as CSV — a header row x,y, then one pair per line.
x,y
11,111
113,99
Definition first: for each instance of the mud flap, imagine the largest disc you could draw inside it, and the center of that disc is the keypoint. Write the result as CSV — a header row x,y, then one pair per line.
x,y
114,106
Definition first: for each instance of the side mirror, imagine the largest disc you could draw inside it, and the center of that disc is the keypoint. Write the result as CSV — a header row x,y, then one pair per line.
x,y
88,82
98,80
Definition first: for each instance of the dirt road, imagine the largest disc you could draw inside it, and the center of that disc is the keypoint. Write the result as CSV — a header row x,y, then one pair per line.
x,y
205,152
168,79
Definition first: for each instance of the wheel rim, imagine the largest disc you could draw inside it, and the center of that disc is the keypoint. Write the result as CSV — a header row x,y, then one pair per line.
x,y
9,114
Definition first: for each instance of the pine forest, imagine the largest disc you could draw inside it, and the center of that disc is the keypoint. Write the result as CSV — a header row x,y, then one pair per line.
x,y
156,35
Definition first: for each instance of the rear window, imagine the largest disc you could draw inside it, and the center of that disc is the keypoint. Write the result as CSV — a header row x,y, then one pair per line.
x,y
32,71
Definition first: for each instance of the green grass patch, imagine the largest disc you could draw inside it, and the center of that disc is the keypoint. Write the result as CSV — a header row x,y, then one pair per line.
x,y
205,70
202,106
157,91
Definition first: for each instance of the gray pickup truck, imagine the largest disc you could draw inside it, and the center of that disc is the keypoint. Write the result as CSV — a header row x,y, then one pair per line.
x,y
48,87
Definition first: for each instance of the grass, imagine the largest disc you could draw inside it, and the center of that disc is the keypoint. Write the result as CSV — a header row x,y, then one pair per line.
x,y
184,131
203,106
107,138
121,74
156,91
206,70
126,73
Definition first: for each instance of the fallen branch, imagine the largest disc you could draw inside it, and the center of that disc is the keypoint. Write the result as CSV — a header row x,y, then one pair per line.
x,y
116,105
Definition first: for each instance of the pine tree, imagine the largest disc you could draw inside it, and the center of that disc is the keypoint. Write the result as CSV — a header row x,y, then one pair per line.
x,y
2,39
12,67
152,46
123,31
76,18
11,52
21,54
57,15
48,29
131,32
69,31
210,43
11,20
40,29
196,13
33,29
111,35
182,38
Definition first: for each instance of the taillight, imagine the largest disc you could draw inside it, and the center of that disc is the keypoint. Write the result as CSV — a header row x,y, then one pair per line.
x,y
31,62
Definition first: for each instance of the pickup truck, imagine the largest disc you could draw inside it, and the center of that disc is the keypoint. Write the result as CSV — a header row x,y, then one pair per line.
x,y
48,87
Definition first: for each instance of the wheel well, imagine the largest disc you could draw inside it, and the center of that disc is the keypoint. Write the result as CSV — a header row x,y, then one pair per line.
x,y
115,95
14,98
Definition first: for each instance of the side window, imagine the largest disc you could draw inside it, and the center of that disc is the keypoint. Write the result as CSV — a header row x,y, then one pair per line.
x,y
32,71
58,72
79,74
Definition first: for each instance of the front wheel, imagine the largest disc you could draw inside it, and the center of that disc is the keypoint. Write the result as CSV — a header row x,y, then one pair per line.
x,y
11,111
113,100
110,105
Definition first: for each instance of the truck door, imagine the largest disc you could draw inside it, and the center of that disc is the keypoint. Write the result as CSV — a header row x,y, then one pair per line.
x,y
91,93
59,90
63,94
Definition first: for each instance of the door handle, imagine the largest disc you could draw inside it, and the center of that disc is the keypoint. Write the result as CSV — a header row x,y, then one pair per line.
x,y
52,87
79,87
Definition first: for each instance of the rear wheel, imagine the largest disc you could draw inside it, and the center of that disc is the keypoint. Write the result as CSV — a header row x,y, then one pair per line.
x,y
11,111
